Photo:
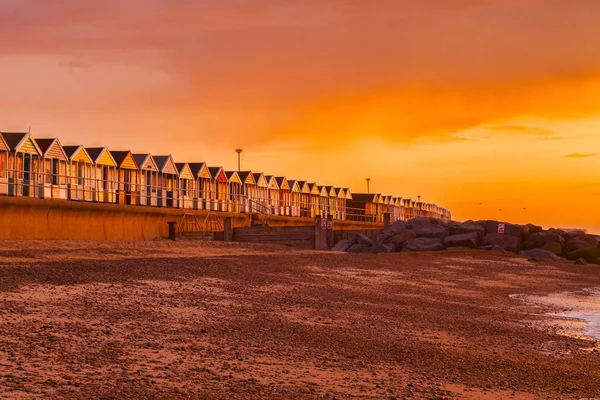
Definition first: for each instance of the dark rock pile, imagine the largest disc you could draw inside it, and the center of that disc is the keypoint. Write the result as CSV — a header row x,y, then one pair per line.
x,y
430,234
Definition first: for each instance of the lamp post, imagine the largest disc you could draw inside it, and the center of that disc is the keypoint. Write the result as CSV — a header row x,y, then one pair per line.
x,y
239,151
368,186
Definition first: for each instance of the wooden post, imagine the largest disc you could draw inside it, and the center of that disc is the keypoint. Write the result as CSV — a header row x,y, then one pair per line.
x,y
227,230
172,235
329,232
386,219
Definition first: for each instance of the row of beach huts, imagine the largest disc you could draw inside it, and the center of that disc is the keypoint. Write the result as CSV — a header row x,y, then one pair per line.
x,y
44,168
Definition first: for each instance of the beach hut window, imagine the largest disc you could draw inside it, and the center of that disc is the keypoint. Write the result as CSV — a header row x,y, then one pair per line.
x,y
55,171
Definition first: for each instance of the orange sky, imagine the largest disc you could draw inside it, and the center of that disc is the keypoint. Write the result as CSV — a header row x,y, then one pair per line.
x,y
488,107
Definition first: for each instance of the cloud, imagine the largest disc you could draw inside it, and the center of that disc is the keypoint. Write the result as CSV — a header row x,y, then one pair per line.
x,y
581,155
528,130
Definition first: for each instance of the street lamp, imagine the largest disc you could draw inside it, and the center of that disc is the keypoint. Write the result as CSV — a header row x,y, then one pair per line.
x,y
368,181
239,151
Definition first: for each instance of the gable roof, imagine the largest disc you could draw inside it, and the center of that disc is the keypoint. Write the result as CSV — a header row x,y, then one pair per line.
x,y
184,171
348,194
233,177
339,192
294,187
124,159
3,144
282,183
101,156
314,188
323,191
77,153
365,197
17,140
272,182
217,174
304,186
247,177
145,162
51,147
166,165
260,179
200,170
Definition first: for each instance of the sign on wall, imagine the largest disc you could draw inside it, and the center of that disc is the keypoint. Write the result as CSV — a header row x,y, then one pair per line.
x,y
500,228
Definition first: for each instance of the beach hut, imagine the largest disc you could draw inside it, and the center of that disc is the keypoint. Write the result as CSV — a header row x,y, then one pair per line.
x,y
148,175
366,206
80,182
104,175
340,203
323,201
236,192
348,203
284,195
314,199
219,192
23,165
305,209
53,182
261,203
333,199
127,177
3,166
187,186
202,178
274,198
249,190
295,195
167,181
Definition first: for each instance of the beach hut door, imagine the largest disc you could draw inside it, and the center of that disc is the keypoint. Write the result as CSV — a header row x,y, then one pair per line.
x,y
26,174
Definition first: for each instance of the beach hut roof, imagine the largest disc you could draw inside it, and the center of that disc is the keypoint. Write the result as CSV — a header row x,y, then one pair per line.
x,y
184,171
348,194
145,162
233,177
21,140
77,153
314,188
3,144
200,170
260,180
166,165
294,186
282,183
247,177
124,159
101,156
365,197
51,147
272,182
218,174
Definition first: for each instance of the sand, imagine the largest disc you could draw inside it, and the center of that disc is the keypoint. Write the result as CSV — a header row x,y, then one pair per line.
x,y
119,320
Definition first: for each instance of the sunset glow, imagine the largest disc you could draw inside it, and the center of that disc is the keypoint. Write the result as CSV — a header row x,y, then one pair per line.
x,y
490,108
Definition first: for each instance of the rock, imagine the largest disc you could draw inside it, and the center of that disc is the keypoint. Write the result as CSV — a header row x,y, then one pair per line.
x,y
462,240
401,237
540,239
431,231
580,261
384,248
395,228
509,229
363,240
343,245
419,221
498,249
576,244
423,244
467,227
488,247
534,228
458,248
589,254
506,242
357,248
554,247
540,254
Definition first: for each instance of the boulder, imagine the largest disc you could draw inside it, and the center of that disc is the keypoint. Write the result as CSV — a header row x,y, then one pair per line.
x,y
363,240
458,248
462,240
488,247
401,237
467,227
431,231
580,261
498,249
576,244
383,248
357,248
423,244
509,229
534,228
396,227
540,239
540,254
589,254
506,242
554,247
343,245
420,221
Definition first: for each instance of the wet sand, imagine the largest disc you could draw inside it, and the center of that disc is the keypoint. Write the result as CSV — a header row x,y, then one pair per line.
x,y
207,320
